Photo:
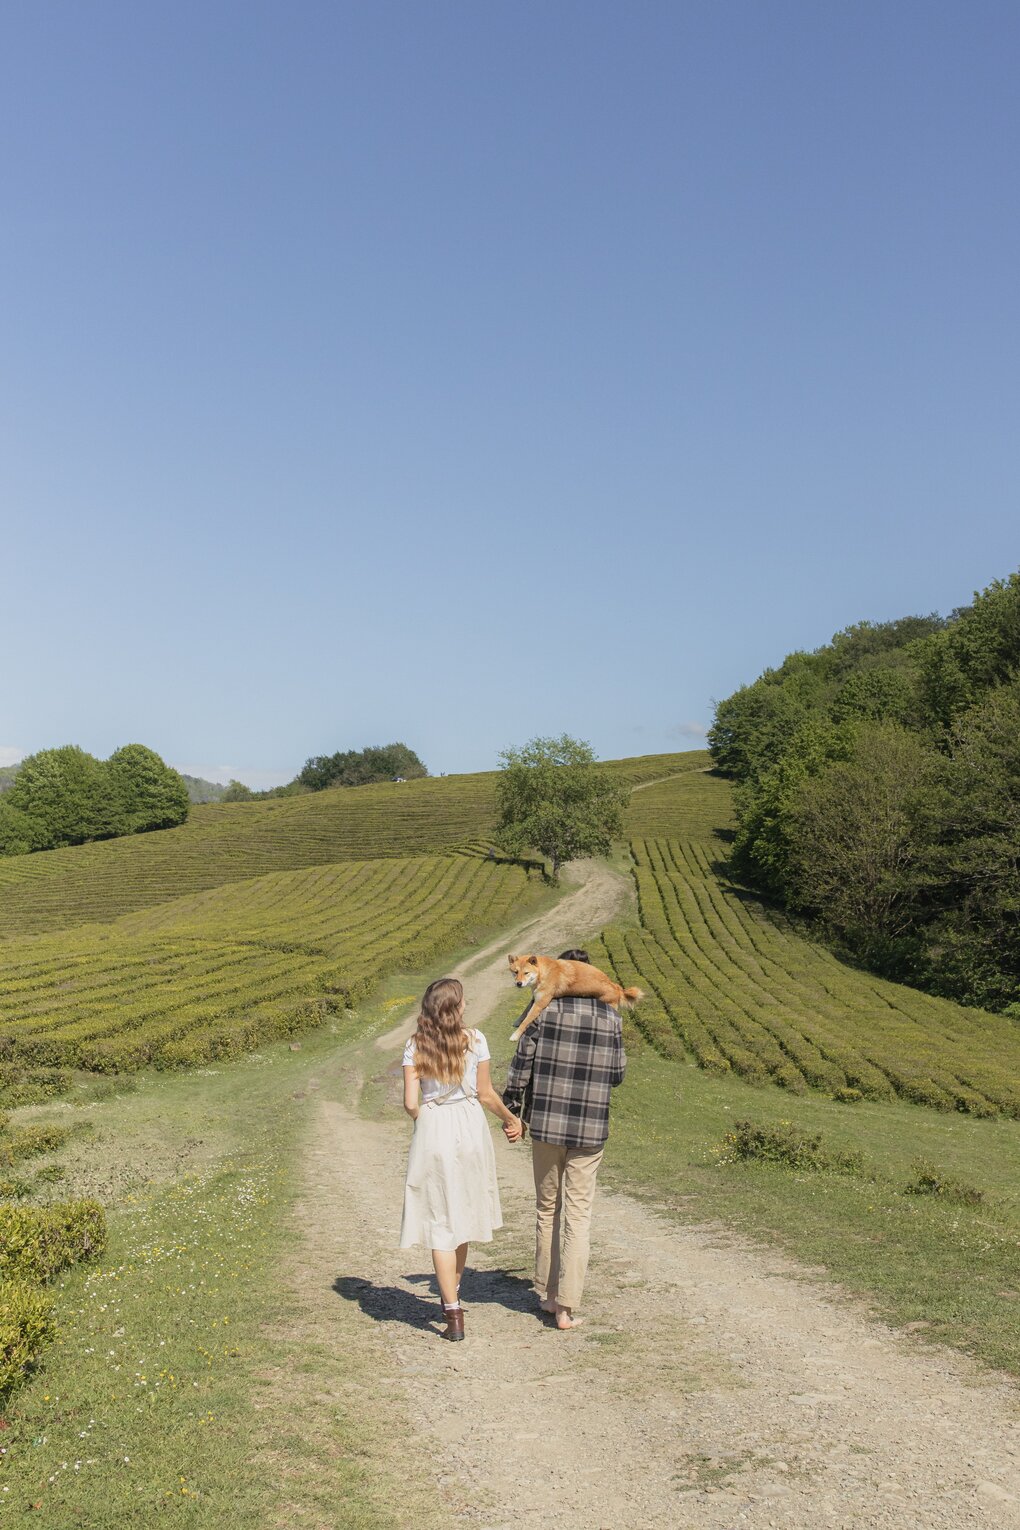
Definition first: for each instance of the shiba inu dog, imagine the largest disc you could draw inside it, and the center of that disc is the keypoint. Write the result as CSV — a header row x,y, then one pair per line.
x,y
551,979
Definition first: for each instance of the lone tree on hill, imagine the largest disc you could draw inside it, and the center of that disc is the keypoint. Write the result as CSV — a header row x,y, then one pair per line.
x,y
552,798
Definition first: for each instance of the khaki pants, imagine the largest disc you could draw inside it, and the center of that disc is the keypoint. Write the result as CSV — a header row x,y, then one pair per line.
x,y
564,1192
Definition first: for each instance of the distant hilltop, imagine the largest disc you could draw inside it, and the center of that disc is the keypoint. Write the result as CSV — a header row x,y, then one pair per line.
x,y
202,791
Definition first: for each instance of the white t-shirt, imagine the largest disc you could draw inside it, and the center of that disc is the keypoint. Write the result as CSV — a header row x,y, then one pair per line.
x,y
430,1087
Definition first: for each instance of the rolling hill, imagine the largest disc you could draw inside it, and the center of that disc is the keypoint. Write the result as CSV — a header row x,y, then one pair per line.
x,y
226,842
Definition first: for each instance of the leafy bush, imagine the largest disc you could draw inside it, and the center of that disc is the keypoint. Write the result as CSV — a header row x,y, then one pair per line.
x,y
30,1086
37,1242
26,1323
931,1181
27,1141
788,1145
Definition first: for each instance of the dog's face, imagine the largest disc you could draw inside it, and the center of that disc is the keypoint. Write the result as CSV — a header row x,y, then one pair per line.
x,y
525,970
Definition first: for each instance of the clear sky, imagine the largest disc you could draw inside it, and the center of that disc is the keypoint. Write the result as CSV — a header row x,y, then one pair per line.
x,y
461,372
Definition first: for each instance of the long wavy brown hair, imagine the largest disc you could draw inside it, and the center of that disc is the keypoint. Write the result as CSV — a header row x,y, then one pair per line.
x,y
441,1042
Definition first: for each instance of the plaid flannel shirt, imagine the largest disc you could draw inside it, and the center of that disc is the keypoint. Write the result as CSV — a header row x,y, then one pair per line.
x,y
565,1065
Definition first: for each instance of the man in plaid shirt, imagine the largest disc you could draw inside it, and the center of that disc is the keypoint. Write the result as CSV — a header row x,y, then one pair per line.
x,y
559,1081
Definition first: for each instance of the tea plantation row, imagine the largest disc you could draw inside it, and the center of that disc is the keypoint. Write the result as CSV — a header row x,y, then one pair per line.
x,y
212,975
226,842
734,987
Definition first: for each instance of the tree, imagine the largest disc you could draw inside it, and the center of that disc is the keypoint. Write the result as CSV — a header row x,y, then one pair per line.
x,y
237,792
553,798
152,796
360,767
19,832
766,836
70,793
856,844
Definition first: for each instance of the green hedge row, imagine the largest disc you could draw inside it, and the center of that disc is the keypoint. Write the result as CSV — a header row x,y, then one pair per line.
x,y
26,1323
37,1242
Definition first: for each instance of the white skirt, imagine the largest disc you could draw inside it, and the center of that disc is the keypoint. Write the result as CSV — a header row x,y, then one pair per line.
x,y
450,1195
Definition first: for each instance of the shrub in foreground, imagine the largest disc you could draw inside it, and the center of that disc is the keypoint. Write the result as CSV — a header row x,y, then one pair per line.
x,y
928,1180
26,1323
37,1242
788,1145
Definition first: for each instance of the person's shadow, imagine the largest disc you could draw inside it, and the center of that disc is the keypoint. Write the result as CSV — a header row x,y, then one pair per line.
x,y
392,1304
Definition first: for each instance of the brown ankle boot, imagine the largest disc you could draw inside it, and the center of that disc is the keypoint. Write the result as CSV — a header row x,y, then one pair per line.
x,y
454,1323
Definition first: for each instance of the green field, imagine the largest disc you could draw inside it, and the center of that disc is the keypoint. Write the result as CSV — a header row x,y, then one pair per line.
x,y
693,806
212,974
197,1169
226,842
734,987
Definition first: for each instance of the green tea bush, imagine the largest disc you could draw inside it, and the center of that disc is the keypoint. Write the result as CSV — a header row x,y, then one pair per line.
x,y
26,1323
27,1141
745,992
788,1145
210,976
37,1242
928,1180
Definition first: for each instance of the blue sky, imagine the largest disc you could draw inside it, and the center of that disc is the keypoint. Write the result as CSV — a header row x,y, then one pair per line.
x,y
461,373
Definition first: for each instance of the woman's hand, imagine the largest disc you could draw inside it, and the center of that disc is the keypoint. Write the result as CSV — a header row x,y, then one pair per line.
x,y
513,1130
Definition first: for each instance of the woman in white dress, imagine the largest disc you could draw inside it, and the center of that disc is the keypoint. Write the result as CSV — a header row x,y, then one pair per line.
x,y
451,1197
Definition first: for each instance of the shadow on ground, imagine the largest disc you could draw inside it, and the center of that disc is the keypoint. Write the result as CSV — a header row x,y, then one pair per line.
x,y
392,1304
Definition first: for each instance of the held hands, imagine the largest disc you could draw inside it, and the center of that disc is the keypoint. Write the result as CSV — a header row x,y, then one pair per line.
x,y
513,1130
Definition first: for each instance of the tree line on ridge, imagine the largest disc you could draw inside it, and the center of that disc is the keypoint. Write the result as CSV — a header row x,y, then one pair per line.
x,y
66,796
878,793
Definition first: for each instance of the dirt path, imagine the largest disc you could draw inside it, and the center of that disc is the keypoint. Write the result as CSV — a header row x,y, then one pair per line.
x,y
597,897
642,786
716,1384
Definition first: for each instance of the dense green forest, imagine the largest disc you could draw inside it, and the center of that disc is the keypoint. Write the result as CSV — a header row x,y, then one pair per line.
x,y
66,796
199,790
878,793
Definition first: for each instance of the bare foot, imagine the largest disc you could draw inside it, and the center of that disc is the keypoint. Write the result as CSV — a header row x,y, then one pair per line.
x,y
548,1304
564,1318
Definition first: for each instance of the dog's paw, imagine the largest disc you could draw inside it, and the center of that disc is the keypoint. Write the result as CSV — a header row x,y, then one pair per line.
x,y
515,1035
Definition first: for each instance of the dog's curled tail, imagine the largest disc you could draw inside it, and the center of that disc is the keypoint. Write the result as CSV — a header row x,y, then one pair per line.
x,y
632,995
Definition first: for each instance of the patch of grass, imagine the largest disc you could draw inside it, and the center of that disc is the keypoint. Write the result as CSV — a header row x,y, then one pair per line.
x,y
913,1258
142,1409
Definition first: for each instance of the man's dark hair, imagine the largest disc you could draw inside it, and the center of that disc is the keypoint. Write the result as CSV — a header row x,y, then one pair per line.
x,y
574,956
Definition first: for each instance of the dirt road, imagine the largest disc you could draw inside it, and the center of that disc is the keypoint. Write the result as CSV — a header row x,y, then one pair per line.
x,y
715,1385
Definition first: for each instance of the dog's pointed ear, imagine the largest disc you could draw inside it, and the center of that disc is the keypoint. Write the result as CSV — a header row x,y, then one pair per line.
x,y
511,960
533,960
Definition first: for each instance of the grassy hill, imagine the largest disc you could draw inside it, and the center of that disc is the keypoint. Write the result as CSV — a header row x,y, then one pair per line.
x,y
225,842
221,971
735,987
694,806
